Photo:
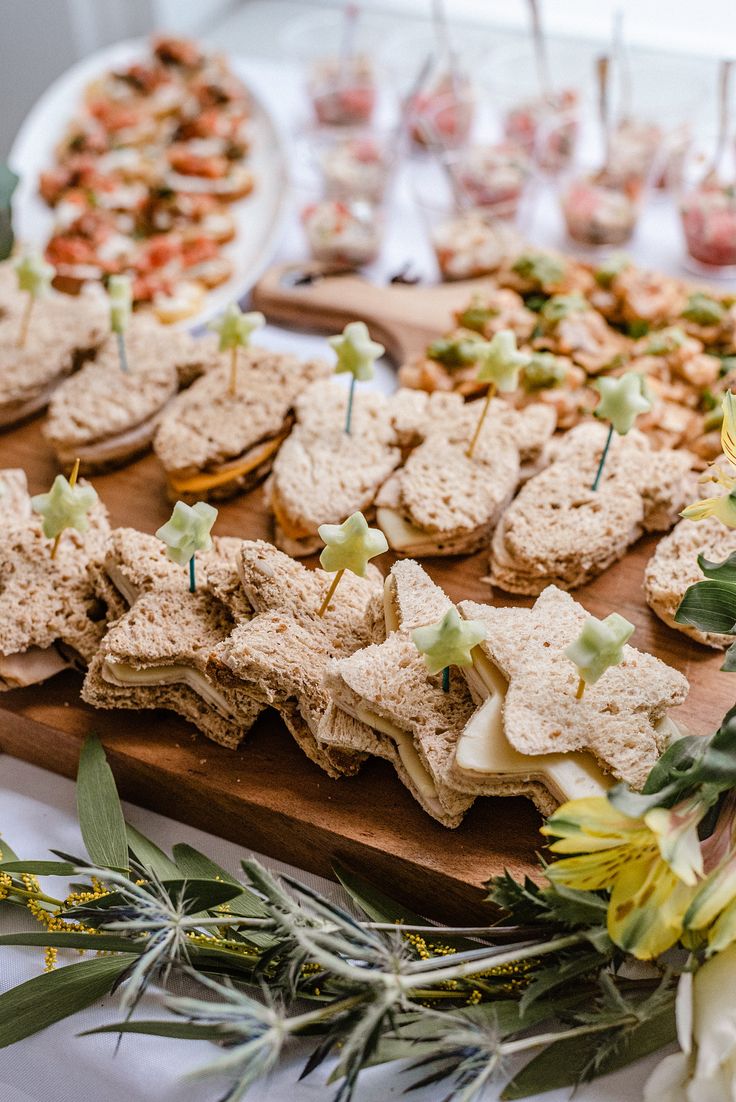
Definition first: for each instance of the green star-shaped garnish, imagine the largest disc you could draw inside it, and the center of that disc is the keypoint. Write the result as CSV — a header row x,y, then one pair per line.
x,y
499,361
356,352
599,645
234,328
350,545
622,400
449,641
34,274
64,506
120,295
188,530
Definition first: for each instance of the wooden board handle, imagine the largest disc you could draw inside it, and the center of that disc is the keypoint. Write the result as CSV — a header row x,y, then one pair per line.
x,y
403,318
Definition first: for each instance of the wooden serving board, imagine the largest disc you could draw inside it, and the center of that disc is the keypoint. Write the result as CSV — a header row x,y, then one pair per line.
x,y
403,317
268,796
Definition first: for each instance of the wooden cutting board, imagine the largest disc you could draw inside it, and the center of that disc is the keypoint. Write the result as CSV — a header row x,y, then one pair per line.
x,y
267,796
404,318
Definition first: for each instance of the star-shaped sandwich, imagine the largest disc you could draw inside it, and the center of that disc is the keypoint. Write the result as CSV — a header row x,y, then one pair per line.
x,y
51,617
407,717
280,654
155,654
622,719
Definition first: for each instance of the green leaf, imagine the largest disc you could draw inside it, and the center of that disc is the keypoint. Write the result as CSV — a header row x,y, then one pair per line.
x,y
558,973
184,1031
376,905
563,1063
689,762
247,904
153,859
71,939
200,895
53,996
709,606
381,908
40,868
724,571
100,814
729,661
6,852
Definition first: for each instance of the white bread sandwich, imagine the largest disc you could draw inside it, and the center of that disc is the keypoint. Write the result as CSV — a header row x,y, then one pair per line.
x,y
213,443
51,617
155,655
323,474
674,567
558,531
443,502
106,416
527,689
62,333
403,714
280,654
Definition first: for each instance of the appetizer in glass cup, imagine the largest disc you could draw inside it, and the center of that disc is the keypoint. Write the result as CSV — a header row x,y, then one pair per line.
x,y
335,50
356,164
600,208
346,233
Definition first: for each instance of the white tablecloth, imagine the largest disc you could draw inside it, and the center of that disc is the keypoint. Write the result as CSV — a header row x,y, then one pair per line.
x,y
37,809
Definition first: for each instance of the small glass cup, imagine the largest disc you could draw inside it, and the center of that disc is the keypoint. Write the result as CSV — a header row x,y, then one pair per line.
x,y
707,204
355,164
490,176
342,85
467,241
600,209
661,96
545,123
346,233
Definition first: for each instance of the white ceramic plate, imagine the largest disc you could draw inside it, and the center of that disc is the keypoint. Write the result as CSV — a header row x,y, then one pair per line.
x,y
259,217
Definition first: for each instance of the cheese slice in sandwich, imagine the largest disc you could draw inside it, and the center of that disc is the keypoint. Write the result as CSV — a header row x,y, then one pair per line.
x,y
215,444
617,729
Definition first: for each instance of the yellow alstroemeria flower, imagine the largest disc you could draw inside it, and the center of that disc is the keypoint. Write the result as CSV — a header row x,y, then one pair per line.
x,y
651,866
728,427
723,507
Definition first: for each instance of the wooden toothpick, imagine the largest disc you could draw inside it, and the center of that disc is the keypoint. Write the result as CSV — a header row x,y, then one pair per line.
x,y
486,406
72,482
330,592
